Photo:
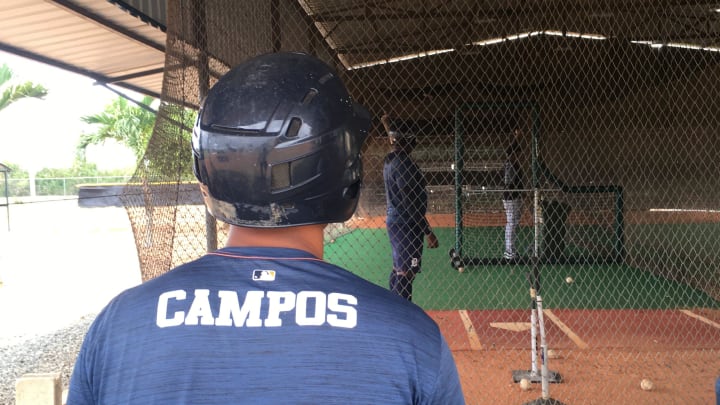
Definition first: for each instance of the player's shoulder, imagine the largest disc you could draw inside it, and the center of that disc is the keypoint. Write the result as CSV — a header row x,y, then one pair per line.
x,y
401,316
411,324
391,157
161,281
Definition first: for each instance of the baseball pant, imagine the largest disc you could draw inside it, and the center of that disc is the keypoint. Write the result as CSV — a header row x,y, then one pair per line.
x,y
513,212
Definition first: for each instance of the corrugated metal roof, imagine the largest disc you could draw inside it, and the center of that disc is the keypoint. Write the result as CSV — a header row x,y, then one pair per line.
x,y
122,42
95,38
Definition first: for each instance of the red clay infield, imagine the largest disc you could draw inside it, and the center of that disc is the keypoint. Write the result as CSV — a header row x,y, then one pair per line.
x,y
601,354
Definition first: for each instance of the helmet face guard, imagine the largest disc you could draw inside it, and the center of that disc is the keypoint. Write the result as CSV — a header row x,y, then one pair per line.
x,y
277,143
398,139
402,139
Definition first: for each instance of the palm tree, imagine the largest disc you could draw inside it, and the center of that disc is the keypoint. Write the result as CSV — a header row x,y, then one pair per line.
x,y
133,125
14,92
128,124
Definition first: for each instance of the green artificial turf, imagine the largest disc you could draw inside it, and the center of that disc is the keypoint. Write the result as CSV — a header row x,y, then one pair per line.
x,y
366,252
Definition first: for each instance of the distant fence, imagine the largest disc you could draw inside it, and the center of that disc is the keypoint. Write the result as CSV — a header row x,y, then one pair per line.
x,y
55,186
109,195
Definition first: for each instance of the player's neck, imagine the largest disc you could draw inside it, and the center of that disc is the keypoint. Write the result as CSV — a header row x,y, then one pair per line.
x,y
307,237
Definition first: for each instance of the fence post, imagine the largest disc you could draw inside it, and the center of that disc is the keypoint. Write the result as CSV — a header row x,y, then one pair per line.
x,y
38,389
33,186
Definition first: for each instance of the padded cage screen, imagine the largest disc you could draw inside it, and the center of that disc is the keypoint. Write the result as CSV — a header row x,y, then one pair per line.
x,y
617,102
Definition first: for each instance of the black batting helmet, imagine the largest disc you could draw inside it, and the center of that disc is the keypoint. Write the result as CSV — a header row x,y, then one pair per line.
x,y
402,139
277,143
399,138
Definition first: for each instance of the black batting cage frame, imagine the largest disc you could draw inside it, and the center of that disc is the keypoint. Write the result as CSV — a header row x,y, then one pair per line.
x,y
544,247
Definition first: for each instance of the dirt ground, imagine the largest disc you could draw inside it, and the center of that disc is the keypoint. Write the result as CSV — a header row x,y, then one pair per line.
x,y
601,355
593,377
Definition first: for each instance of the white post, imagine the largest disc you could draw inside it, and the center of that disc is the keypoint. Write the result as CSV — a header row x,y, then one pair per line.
x,y
31,176
38,389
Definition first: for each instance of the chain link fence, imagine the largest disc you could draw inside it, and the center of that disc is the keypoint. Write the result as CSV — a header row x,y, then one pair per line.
x,y
614,274
53,186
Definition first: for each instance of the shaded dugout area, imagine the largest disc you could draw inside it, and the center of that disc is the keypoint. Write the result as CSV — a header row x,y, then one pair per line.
x,y
616,107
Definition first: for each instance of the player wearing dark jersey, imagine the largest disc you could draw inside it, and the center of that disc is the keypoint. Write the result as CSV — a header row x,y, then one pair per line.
x,y
265,320
512,196
406,200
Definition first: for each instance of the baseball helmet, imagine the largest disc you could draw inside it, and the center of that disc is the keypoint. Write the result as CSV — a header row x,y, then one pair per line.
x,y
277,143
395,136
402,138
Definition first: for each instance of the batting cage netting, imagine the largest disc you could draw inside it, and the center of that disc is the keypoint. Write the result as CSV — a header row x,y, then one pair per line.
x,y
571,154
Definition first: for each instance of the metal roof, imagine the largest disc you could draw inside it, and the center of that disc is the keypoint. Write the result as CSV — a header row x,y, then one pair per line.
x,y
366,33
112,42
122,42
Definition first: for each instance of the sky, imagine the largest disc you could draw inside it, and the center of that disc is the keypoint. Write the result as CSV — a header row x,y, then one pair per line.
x,y
37,134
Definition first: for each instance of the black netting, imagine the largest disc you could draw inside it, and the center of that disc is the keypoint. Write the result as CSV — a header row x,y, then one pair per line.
x,y
619,224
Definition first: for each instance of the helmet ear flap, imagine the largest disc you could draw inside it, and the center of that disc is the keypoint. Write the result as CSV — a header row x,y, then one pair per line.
x,y
195,143
352,191
196,167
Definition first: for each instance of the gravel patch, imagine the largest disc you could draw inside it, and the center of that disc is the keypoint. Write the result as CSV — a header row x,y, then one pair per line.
x,y
52,287
53,352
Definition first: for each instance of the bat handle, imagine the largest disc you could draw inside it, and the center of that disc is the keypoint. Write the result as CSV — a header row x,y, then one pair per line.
x,y
544,369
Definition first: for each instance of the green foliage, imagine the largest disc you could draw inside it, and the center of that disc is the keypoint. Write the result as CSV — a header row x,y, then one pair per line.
x,y
5,74
16,172
123,121
61,181
79,169
20,185
14,92
169,153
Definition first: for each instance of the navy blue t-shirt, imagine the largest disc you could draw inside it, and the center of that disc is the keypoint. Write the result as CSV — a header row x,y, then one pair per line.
x,y
513,181
263,326
405,190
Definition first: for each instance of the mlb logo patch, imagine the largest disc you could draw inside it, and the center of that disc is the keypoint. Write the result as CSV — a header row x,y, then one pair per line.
x,y
263,275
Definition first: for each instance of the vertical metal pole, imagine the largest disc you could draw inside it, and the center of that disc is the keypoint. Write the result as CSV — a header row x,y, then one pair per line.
x,y
203,87
619,225
544,370
536,223
275,30
459,164
7,200
535,180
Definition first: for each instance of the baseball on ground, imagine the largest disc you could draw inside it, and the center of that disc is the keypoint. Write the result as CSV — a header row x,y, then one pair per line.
x,y
646,384
525,384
